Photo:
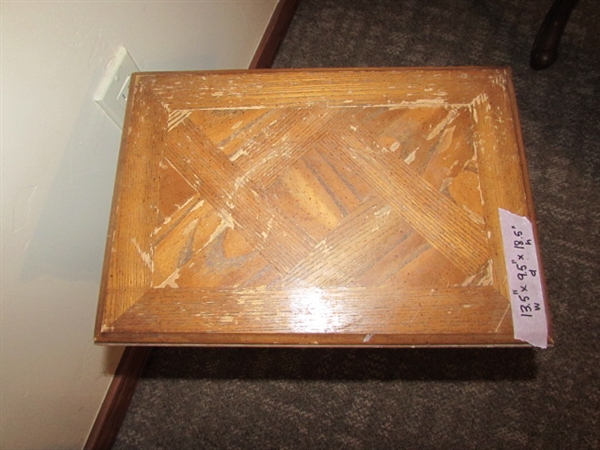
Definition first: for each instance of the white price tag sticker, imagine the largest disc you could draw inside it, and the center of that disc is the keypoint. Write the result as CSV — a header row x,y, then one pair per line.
x,y
522,267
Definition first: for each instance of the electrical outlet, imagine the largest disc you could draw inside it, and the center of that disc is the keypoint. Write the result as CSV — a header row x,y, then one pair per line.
x,y
114,88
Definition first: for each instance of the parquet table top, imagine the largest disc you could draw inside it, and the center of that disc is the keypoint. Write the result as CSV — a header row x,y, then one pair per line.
x,y
334,207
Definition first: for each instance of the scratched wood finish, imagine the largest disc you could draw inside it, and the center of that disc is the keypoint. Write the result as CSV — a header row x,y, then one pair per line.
x,y
315,207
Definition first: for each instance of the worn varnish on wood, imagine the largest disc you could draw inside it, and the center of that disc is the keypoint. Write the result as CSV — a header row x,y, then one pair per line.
x,y
330,207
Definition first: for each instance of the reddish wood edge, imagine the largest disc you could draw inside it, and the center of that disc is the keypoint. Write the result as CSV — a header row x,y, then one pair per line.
x,y
274,34
116,403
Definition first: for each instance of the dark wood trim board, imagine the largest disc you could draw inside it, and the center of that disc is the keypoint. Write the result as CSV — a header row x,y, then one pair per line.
x,y
130,368
115,405
274,34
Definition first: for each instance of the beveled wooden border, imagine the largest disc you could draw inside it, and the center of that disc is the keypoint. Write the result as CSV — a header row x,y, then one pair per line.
x,y
373,87
174,306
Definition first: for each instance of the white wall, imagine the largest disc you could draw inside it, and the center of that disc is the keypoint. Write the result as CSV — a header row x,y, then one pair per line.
x,y
59,153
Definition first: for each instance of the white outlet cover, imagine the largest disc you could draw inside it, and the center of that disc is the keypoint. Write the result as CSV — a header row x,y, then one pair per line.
x,y
112,92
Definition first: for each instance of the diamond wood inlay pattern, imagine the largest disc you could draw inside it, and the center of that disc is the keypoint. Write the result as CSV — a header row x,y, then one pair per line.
x,y
315,207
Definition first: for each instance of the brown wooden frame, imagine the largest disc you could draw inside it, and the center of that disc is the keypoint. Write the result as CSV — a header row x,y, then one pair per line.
x,y
131,311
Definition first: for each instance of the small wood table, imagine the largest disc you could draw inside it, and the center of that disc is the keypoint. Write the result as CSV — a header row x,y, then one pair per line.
x,y
339,207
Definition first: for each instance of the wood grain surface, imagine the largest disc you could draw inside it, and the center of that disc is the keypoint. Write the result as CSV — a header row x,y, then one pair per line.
x,y
314,207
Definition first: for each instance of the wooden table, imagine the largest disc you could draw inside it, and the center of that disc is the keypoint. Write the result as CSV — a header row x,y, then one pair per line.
x,y
354,207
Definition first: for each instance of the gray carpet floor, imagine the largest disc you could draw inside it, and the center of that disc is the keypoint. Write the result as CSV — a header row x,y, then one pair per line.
x,y
430,398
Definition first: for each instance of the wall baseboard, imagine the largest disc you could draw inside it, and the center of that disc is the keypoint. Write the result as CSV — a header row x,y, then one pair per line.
x,y
117,400
274,34
120,392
